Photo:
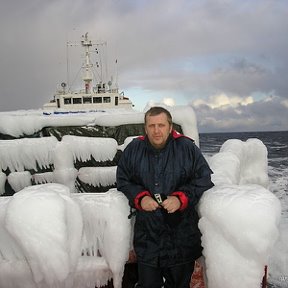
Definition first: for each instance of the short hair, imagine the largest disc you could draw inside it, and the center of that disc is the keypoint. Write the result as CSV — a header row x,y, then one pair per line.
x,y
156,110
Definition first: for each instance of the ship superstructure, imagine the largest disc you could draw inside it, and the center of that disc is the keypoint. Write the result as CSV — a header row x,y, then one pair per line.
x,y
93,95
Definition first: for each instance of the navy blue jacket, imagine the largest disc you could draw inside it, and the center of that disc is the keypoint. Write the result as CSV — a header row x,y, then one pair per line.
x,y
178,169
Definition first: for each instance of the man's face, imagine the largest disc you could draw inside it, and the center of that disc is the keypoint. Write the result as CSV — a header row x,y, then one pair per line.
x,y
158,129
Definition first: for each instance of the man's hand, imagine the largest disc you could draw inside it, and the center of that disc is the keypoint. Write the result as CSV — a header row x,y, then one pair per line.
x,y
171,204
149,204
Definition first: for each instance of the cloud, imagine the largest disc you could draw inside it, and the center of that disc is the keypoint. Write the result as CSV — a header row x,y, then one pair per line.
x,y
230,53
169,102
285,103
269,114
223,100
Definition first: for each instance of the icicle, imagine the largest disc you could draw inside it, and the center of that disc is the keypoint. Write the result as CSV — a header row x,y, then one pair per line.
x,y
2,183
19,180
97,176
26,153
102,149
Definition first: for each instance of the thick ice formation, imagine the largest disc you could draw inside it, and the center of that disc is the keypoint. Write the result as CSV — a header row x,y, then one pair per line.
x,y
102,149
39,219
239,216
40,232
51,238
26,153
97,176
2,182
239,226
21,123
252,157
107,230
42,178
20,154
64,171
19,180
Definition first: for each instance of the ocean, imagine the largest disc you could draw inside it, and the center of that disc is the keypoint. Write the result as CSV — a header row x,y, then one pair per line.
x,y
277,146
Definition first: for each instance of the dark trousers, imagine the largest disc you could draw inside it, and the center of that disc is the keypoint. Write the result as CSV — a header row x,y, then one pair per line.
x,y
174,277
130,277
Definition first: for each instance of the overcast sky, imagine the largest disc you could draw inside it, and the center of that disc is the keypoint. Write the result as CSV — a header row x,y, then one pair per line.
x,y
227,58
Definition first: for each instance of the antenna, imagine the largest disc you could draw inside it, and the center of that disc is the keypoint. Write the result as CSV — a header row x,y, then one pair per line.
x,y
87,78
67,66
87,65
116,81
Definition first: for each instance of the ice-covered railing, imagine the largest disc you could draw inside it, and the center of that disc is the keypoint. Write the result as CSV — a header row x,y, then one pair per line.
x,y
97,176
107,231
24,154
20,156
73,148
83,148
239,216
23,123
50,238
21,159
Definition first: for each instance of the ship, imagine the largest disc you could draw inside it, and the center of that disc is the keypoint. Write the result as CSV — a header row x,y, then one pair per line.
x,y
72,159
94,94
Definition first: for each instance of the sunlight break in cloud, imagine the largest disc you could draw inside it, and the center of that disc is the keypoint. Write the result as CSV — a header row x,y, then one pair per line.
x,y
166,101
169,101
285,103
222,99
255,116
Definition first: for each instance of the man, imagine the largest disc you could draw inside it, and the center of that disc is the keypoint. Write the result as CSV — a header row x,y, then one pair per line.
x,y
163,174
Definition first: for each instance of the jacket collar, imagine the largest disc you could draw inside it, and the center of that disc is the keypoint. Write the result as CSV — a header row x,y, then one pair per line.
x,y
174,134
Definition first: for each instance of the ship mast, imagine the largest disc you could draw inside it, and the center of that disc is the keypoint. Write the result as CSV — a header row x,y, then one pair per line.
x,y
87,77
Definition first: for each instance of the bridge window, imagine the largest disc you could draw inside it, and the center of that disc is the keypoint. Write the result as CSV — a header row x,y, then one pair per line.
x,y
67,101
107,99
97,99
87,100
77,100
